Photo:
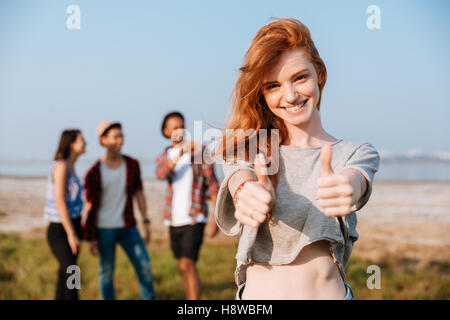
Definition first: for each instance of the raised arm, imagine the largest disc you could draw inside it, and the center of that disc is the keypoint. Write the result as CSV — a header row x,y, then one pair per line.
x,y
358,183
256,196
164,166
341,193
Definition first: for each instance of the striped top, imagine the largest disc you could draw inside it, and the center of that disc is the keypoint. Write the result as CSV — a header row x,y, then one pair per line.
x,y
74,201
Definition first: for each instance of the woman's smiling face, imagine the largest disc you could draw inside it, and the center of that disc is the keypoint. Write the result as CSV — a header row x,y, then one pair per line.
x,y
291,88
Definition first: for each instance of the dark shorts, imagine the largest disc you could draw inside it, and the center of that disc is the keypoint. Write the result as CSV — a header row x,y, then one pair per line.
x,y
186,241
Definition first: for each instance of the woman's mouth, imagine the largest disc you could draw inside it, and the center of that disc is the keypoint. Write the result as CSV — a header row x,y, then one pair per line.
x,y
296,109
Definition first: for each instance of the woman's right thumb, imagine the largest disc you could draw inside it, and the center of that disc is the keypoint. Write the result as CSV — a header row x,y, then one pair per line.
x,y
261,169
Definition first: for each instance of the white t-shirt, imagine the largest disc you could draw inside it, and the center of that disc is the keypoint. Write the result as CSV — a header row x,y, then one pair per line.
x,y
112,206
182,190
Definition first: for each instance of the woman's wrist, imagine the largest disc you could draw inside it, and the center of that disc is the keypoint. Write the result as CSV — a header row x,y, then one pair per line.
x,y
358,183
238,177
239,188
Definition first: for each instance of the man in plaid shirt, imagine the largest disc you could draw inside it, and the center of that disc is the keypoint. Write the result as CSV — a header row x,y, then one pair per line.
x,y
189,186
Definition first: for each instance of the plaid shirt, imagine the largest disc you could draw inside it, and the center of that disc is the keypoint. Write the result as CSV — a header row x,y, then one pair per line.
x,y
93,187
204,184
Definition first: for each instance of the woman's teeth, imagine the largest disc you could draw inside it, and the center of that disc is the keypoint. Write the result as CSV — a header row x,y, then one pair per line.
x,y
297,107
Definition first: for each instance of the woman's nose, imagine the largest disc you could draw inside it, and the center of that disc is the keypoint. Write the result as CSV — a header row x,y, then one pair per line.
x,y
290,94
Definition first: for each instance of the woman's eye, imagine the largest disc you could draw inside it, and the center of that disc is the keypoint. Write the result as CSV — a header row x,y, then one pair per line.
x,y
272,86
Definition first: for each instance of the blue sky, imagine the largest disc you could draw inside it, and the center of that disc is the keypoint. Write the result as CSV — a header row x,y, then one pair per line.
x,y
133,61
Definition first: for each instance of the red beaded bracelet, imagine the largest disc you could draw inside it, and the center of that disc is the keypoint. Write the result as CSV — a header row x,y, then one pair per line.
x,y
239,189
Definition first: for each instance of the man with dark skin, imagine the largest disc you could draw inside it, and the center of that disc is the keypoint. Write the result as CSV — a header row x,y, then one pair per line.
x,y
186,216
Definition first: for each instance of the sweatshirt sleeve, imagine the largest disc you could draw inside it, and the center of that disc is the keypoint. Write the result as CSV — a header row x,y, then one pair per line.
x,y
366,160
224,211
139,184
162,167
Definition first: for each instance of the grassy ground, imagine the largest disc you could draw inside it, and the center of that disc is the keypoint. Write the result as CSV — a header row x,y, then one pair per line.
x,y
28,270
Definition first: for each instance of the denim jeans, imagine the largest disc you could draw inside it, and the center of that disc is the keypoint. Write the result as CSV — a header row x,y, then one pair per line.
x,y
134,247
348,296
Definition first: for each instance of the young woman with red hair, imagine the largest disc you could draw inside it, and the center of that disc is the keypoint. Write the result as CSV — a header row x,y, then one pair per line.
x,y
297,224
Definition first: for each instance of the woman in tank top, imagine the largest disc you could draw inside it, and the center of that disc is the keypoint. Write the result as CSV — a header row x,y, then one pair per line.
x,y
296,218
63,208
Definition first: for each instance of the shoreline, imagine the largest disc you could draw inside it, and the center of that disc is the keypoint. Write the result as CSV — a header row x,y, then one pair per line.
x,y
382,181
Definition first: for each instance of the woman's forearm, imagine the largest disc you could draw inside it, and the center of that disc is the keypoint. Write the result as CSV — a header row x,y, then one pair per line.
x,y
60,178
213,199
238,177
358,182
65,216
165,167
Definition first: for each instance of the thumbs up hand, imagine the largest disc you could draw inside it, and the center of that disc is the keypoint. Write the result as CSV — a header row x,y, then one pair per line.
x,y
256,198
335,190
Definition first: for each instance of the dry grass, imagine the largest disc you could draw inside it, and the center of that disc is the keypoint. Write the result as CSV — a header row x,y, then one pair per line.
x,y
28,271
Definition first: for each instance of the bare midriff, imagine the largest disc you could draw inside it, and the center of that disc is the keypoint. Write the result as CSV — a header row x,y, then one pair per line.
x,y
312,275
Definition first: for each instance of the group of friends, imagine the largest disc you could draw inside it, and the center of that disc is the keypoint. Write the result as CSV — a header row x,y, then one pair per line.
x,y
111,186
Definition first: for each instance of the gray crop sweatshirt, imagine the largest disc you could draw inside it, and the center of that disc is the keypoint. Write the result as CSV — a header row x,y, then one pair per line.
x,y
298,218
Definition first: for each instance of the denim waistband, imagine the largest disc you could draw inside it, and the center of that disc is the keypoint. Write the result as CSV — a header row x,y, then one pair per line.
x,y
348,296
